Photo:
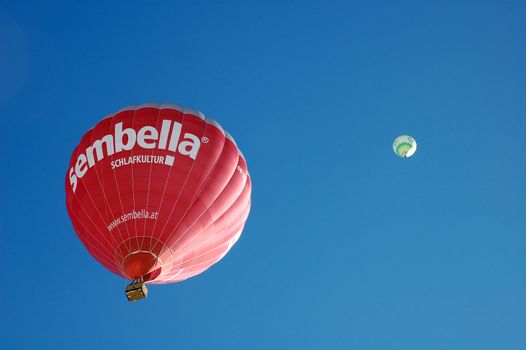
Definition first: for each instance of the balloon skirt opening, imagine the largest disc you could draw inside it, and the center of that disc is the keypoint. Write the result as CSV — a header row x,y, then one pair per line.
x,y
140,265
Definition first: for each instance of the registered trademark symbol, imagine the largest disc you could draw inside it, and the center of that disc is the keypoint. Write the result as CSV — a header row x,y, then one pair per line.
x,y
204,139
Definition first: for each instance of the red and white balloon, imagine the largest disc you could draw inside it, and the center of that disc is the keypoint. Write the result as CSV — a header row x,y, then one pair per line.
x,y
158,192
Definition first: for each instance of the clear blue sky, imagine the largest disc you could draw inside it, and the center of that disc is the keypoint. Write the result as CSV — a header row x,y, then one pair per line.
x,y
347,246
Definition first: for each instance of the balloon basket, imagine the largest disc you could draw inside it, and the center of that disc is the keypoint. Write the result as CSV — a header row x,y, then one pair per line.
x,y
136,290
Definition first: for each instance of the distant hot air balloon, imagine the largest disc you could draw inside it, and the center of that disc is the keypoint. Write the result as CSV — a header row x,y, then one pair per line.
x,y
404,146
157,193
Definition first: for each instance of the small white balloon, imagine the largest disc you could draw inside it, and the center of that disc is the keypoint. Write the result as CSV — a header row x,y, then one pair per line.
x,y
404,146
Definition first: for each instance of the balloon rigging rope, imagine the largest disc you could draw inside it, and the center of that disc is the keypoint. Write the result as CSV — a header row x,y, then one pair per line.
x,y
133,185
94,204
197,195
164,192
229,225
120,198
232,224
203,186
150,180
107,204
182,189
89,232
118,227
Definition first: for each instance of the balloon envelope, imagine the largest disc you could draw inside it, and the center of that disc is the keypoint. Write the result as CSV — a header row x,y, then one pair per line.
x,y
158,192
404,146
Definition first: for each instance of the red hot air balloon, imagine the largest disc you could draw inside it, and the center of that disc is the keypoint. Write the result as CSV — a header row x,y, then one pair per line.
x,y
157,193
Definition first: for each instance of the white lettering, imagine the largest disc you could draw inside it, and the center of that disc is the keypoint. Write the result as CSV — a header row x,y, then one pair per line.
x,y
125,140
72,179
131,137
165,129
81,166
174,140
194,145
147,133
97,145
